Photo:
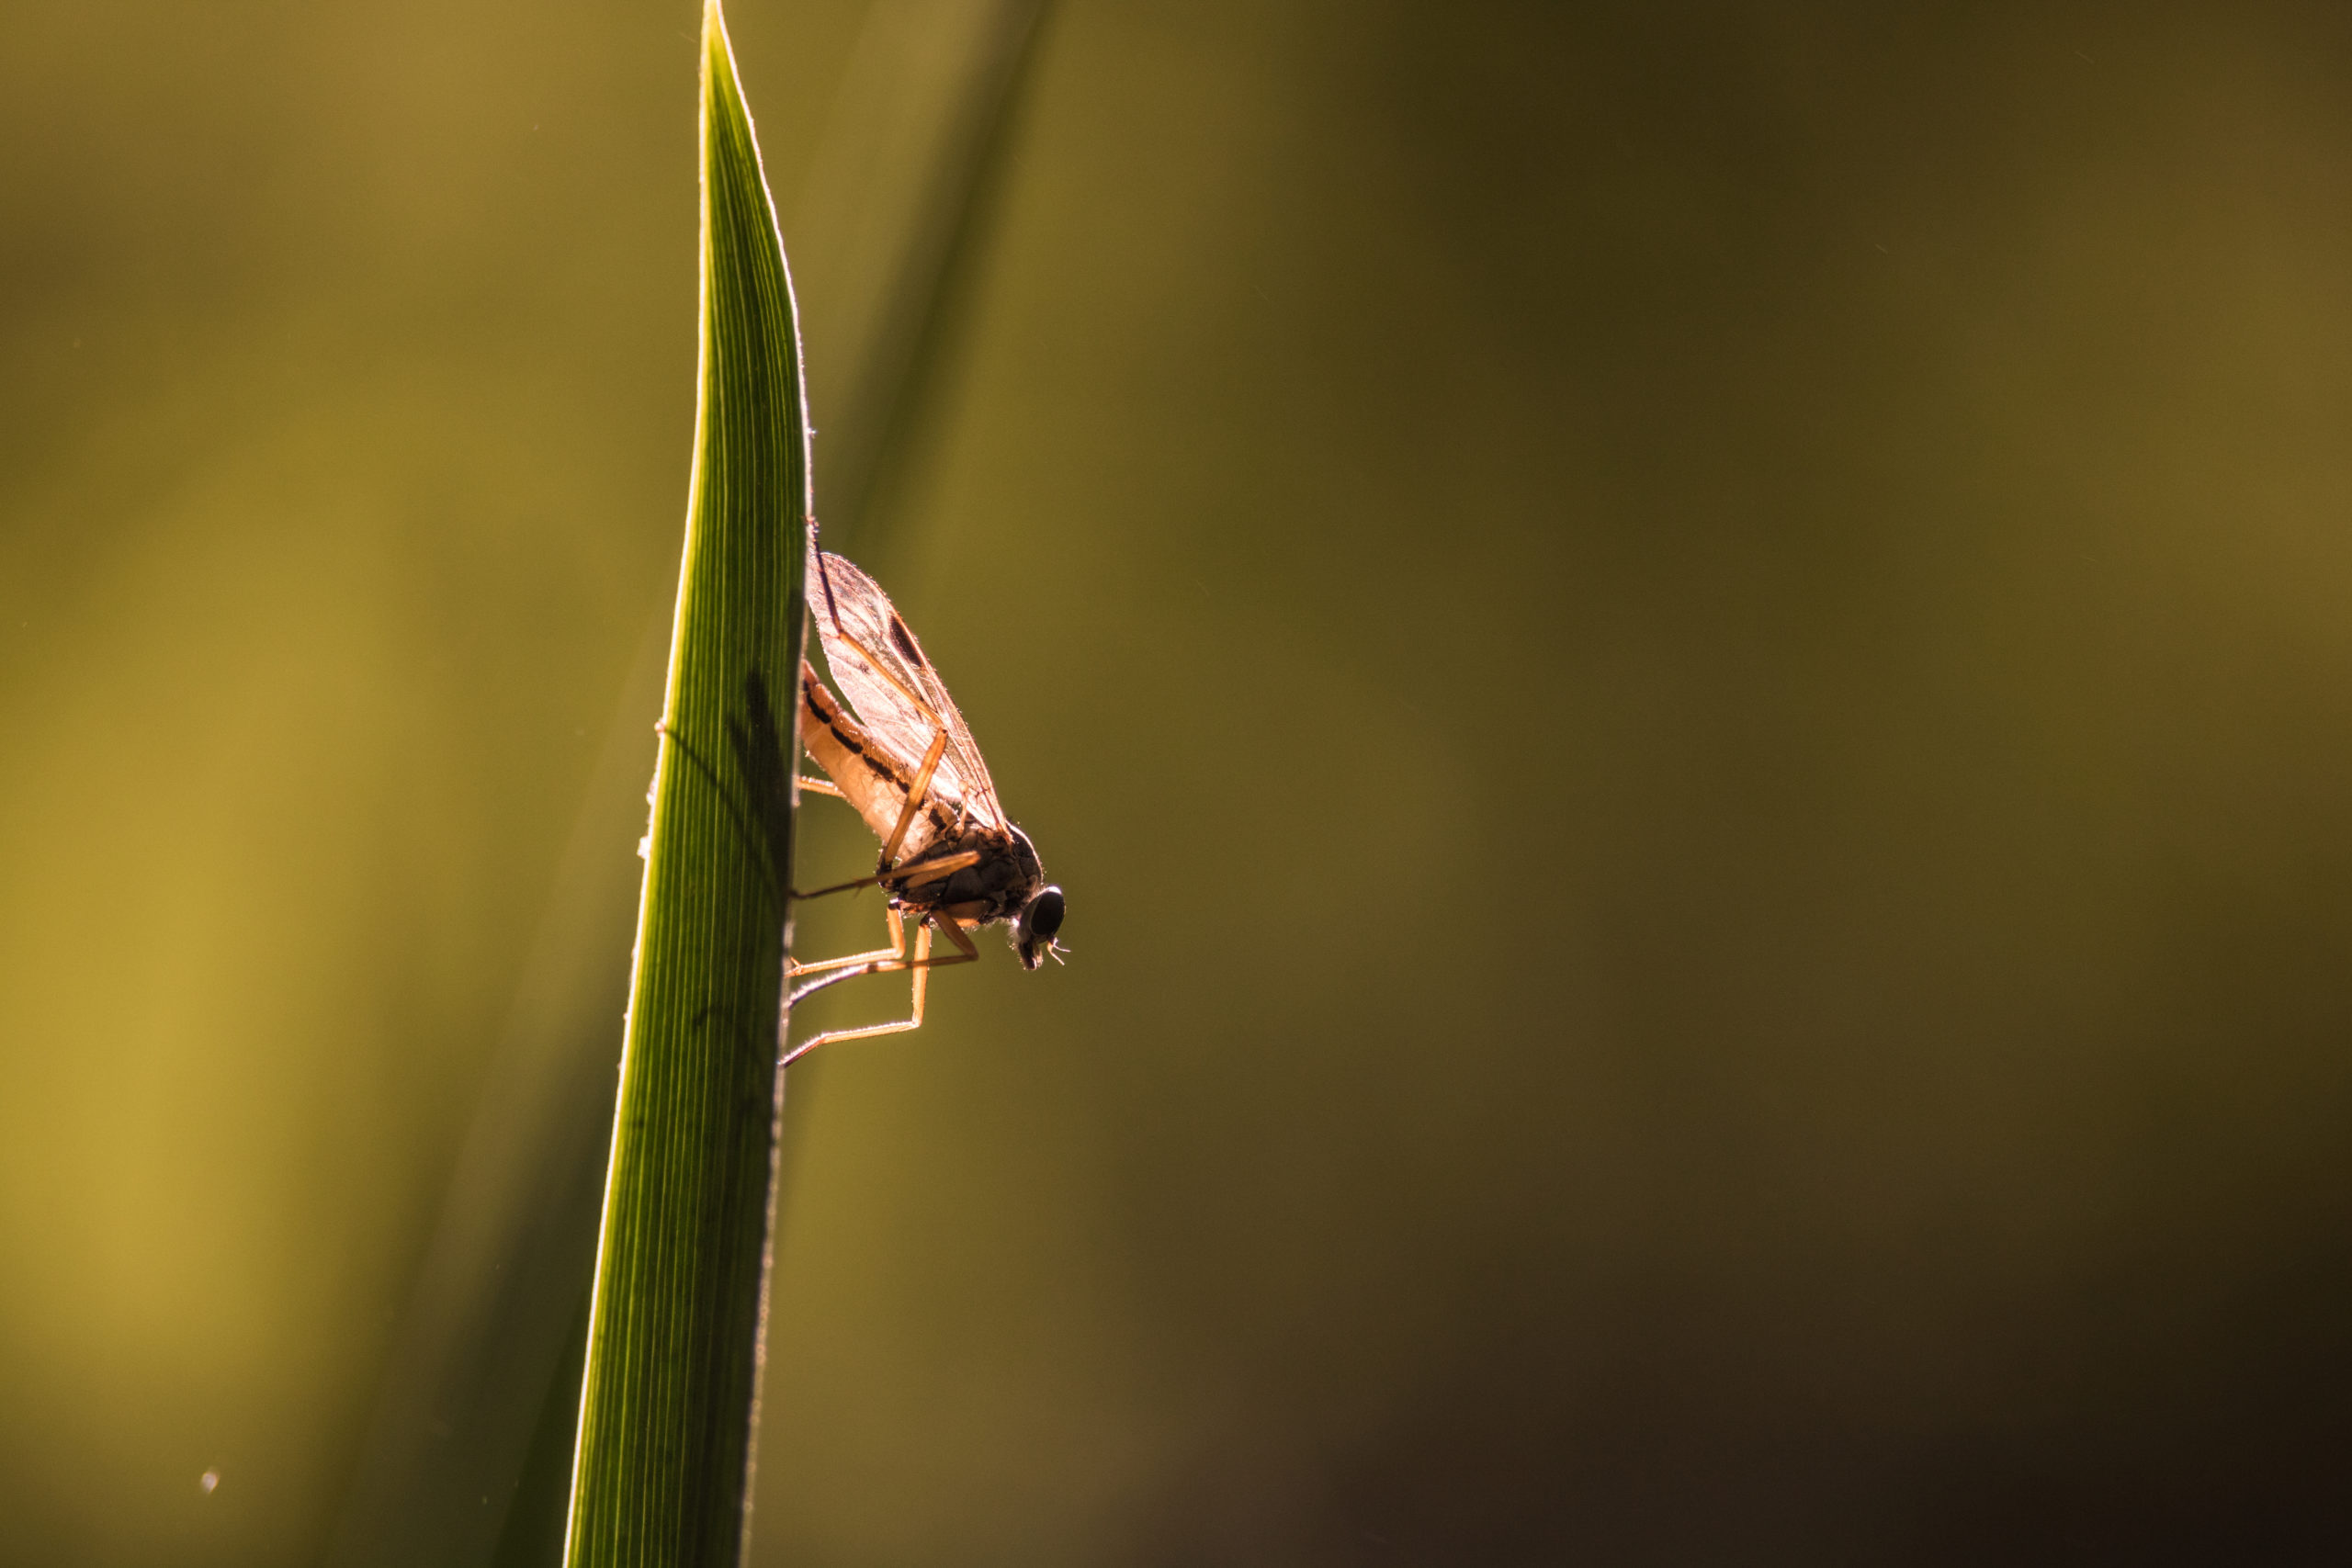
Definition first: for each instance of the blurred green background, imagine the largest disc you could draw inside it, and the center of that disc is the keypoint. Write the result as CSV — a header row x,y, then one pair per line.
x,y
1691,668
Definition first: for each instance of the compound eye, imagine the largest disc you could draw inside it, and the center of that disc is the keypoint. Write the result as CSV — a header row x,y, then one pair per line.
x,y
1044,915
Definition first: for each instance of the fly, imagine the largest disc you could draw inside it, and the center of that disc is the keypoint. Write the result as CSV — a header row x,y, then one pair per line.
x,y
899,753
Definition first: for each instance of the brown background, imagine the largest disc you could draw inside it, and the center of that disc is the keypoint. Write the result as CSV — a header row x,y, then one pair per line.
x,y
1690,669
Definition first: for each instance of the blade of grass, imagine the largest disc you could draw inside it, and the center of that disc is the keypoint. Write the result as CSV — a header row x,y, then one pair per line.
x,y
661,1470
481,1394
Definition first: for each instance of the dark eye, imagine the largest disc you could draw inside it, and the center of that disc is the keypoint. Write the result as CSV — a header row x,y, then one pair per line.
x,y
1044,917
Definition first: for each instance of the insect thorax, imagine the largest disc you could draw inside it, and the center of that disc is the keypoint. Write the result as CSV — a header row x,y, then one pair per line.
x,y
1005,877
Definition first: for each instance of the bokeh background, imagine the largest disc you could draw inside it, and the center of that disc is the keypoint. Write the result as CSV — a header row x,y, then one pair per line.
x,y
1690,667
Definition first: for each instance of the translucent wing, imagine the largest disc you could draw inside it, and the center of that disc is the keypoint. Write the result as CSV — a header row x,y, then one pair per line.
x,y
897,695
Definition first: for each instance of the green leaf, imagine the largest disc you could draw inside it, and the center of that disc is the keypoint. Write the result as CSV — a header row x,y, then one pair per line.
x,y
661,1473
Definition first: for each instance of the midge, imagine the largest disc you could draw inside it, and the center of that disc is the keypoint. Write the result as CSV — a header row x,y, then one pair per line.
x,y
950,860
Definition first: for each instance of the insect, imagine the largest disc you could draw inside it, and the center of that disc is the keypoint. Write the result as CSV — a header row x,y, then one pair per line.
x,y
951,861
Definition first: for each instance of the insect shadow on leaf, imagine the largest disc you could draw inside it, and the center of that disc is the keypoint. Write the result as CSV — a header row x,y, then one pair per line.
x,y
760,811
762,814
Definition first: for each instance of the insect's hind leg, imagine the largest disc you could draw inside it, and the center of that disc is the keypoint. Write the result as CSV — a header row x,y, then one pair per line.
x,y
897,949
922,965
888,960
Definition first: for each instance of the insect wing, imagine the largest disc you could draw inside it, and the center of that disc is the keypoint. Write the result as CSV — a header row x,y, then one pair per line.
x,y
882,670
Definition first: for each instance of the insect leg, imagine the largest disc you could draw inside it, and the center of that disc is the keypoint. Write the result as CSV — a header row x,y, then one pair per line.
x,y
820,786
929,871
922,965
887,960
917,793
897,949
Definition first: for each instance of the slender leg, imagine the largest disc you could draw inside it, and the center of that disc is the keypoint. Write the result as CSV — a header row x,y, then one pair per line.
x,y
897,949
886,960
966,953
820,786
929,871
922,965
882,960
917,793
